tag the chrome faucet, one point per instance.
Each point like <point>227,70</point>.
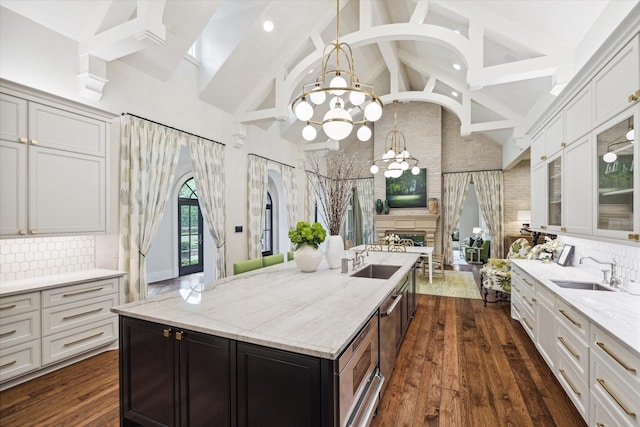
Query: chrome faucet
<point>613,281</point>
<point>358,260</point>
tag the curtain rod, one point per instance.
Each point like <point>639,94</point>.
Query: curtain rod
<point>171,127</point>
<point>273,161</point>
<point>480,170</point>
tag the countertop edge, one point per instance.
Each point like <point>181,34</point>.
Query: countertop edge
<point>35,284</point>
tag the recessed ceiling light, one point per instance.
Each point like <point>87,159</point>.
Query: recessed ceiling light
<point>456,31</point>
<point>457,67</point>
<point>268,26</point>
<point>454,93</point>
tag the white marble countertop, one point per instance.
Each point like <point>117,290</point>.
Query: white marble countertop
<point>13,287</point>
<point>280,307</point>
<point>616,312</point>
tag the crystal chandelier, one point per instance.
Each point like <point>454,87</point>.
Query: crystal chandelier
<point>347,96</point>
<point>396,159</point>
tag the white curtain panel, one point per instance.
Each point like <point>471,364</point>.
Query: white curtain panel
<point>454,194</point>
<point>489,188</point>
<point>310,200</point>
<point>291,194</point>
<point>208,166</point>
<point>149,155</point>
<point>257,194</point>
<point>364,187</point>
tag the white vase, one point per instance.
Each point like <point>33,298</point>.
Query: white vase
<point>307,258</point>
<point>335,251</point>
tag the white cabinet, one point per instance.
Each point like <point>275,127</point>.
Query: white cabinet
<point>38,329</point>
<point>19,335</point>
<point>577,116</point>
<point>615,87</point>
<point>538,149</point>
<point>554,135</point>
<point>539,196</point>
<point>578,191</point>
<point>545,323</point>
<point>53,169</point>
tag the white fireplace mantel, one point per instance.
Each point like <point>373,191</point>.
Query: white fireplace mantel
<point>405,223</point>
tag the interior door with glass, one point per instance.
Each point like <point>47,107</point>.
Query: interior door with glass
<point>190,249</point>
<point>616,176</point>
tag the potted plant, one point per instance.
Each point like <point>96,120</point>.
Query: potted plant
<point>334,190</point>
<point>307,237</point>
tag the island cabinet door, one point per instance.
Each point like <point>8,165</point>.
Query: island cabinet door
<point>279,388</point>
<point>147,370</point>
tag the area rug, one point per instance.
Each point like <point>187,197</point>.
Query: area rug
<point>458,284</point>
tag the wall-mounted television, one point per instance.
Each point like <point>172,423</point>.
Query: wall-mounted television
<point>408,190</point>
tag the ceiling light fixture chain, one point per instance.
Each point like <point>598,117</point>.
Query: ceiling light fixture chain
<point>396,158</point>
<point>339,120</point>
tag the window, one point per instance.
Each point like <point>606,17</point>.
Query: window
<point>190,248</point>
<point>267,232</point>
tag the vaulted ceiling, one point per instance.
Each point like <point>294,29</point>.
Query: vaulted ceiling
<point>511,54</point>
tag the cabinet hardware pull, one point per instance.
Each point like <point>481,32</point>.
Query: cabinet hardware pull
<point>13,362</point>
<point>634,96</point>
<point>6,334</point>
<point>543,157</point>
<point>84,291</point>
<point>527,282</point>
<point>634,236</point>
<point>624,408</point>
<point>616,358</point>
<point>525,321</point>
<point>398,298</point>
<point>563,144</point>
<point>69,344</point>
<point>180,335</point>
<point>568,347</point>
<point>515,307</point>
<point>599,425</point>
<point>23,140</point>
<point>7,307</point>
<point>34,231</point>
<point>34,141</point>
<point>563,229</point>
<point>533,300</point>
<point>166,333</point>
<point>573,388</point>
<point>570,319</point>
<point>22,232</point>
<point>515,271</point>
<point>527,301</point>
<point>73,316</point>
<point>515,288</point>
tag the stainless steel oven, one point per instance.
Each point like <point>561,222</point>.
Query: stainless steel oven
<point>359,379</point>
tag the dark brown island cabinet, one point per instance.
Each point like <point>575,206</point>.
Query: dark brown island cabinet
<point>175,377</point>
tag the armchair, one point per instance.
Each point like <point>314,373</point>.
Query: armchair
<point>496,273</point>
<point>478,252</point>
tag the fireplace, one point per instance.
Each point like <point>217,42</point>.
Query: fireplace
<point>418,238</point>
<point>409,224</point>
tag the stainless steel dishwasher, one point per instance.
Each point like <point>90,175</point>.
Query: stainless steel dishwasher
<point>390,330</point>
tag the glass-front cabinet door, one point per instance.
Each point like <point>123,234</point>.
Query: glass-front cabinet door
<point>617,210</point>
<point>554,192</point>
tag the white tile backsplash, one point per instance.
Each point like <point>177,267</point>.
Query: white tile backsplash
<point>43,256</point>
<point>627,257</point>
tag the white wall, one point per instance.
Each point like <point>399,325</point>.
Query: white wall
<point>470,214</point>
<point>34,56</point>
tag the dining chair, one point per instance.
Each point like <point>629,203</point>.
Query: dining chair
<point>437,264</point>
<point>397,248</point>
<point>374,247</point>
<point>406,242</point>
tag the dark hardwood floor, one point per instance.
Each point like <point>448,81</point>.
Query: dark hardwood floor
<point>461,364</point>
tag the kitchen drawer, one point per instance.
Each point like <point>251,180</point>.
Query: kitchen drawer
<point>20,303</point>
<point>574,321</point>
<point>576,388</point>
<point>544,294</point>
<point>516,307</point>
<point>67,344</point>
<point>618,358</point>
<point>574,351</point>
<point>64,317</point>
<point>79,292</point>
<point>601,414</point>
<point>528,321</point>
<point>19,359</point>
<point>19,329</point>
<point>620,397</point>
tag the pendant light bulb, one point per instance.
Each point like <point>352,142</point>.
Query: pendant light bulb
<point>373,111</point>
<point>415,170</point>
<point>337,124</point>
<point>356,98</point>
<point>338,82</point>
<point>630,135</point>
<point>318,97</point>
<point>304,111</point>
<point>374,169</point>
<point>610,157</point>
<point>364,133</point>
<point>309,133</point>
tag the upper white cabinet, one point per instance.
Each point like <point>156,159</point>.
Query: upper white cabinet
<point>617,85</point>
<point>554,136</point>
<point>52,167</point>
<point>578,192</point>
<point>577,116</point>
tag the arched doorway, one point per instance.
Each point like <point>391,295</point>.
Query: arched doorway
<point>190,243</point>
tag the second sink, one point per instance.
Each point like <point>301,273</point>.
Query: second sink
<point>376,271</point>
<point>580,285</point>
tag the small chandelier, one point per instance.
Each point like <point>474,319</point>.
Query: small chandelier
<point>348,96</point>
<point>396,159</point>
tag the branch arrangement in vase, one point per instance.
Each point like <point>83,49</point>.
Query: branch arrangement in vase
<point>334,189</point>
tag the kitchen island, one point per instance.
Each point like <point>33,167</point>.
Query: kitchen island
<point>262,348</point>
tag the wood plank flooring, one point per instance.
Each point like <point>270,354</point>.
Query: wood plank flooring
<point>460,365</point>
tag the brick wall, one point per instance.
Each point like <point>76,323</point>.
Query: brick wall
<point>517,195</point>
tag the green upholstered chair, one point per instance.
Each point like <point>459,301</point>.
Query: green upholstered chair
<point>471,252</point>
<point>290,256</point>
<point>272,259</point>
<point>248,265</point>
<point>496,273</point>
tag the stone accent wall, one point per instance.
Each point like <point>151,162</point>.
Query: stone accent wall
<point>517,195</point>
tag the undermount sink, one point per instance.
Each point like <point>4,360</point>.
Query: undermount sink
<point>376,271</point>
<point>580,285</point>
